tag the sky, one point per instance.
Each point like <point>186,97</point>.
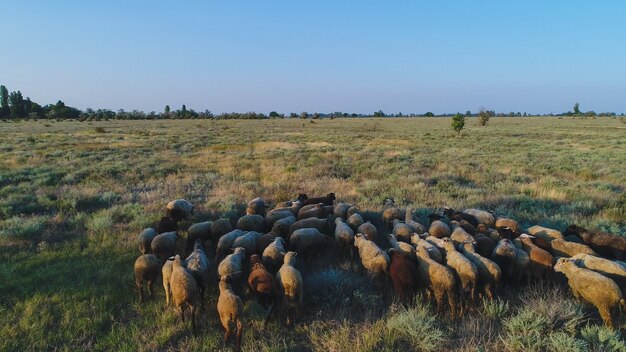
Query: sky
<point>535,56</point>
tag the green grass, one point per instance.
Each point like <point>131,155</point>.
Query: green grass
<point>73,196</point>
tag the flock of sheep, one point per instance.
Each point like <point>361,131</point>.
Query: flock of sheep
<point>459,257</point>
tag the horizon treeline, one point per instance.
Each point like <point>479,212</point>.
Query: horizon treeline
<point>13,106</point>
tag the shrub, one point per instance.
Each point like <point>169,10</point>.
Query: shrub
<point>601,338</point>
<point>495,309</point>
<point>417,325</point>
<point>524,331</point>
<point>562,342</point>
<point>483,116</point>
<point>23,228</point>
<point>458,122</point>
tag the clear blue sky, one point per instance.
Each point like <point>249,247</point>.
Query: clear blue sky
<point>329,55</point>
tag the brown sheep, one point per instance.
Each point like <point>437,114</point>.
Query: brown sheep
<point>315,211</point>
<point>437,227</point>
<point>368,230</point>
<point>147,268</point>
<point>263,285</point>
<point>391,212</point>
<point>256,206</point>
<point>606,244</point>
<point>230,310</point>
<point>185,292</point>
<point>437,279</point>
<point>457,215</point>
<point>592,287</point>
<point>402,272</point>
<point>484,245</point>
<point>483,217</point>
<point>301,198</point>
<point>508,223</point>
<point>167,224</point>
<point>541,261</point>
<point>328,200</point>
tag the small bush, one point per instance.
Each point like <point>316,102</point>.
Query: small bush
<point>417,325</point>
<point>601,338</point>
<point>562,342</point>
<point>524,331</point>
<point>100,129</point>
<point>23,228</point>
<point>495,309</point>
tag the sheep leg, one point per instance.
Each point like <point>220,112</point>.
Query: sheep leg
<point>167,295</point>
<point>269,313</point>
<point>239,331</point>
<point>605,314</point>
<point>192,310</point>
<point>151,288</point>
<point>489,291</point>
<point>140,289</point>
<point>439,300</point>
<point>452,302</point>
<point>227,333</point>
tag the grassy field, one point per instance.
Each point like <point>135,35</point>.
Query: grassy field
<point>74,195</point>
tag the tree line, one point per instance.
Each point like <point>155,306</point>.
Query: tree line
<point>13,106</point>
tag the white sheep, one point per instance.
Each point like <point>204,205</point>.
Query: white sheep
<point>145,240</point>
<point>373,259</point>
<point>274,254</point>
<point>291,284</point>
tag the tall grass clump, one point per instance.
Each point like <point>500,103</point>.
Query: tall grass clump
<point>601,338</point>
<point>418,326</point>
<point>563,342</point>
<point>495,309</point>
<point>525,331</point>
<point>23,228</point>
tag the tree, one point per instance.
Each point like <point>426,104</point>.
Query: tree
<point>379,113</point>
<point>429,114</point>
<point>483,116</point>
<point>304,115</point>
<point>458,122</point>
<point>16,105</point>
<point>274,114</point>
<point>576,109</point>
<point>316,115</point>
<point>167,109</point>
<point>4,102</point>
<point>293,115</point>
<point>468,113</point>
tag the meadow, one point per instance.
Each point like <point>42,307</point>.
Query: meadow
<point>74,195</point>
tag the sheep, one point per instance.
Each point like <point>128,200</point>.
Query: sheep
<point>301,198</point>
<point>414,225</point>
<point>281,227</point>
<point>145,240</point>
<point>225,243</point>
<point>403,247</point>
<point>606,267</point>
<point>437,243</point>
<point>256,206</point>
<point>459,235</point>
<point>166,224</point>
<point>185,291</point>
<point>232,265</point>
<point>263,285</point>
<point>489,273</point>
<point>146,269</point>
<point>328,200</point>
<point>563,248</point>
<point>253,222</point>
<point>201,231</point>
<point>353,210</point>
<point>368,230</point>
<point>508,223</point>
<point>506,232</point>
<point>484,245</point>
<point>483,217</point>
<point>592,287</point>
<point>274,254</point>
<point>505,256</point>
<point>272,218</point>
<point>291,284</point>
<point>402,272</point>
<point>248,242</point>
<point>437,227</point>
<point>219,228</point>
<point>402,231</point>
<point>437,279</point>
<point>294,209</point>
<point>435,254</point>
<point>265,240</point>
<point>315,211</point>
<point>179,209</point>
<point>323,225</point>
<point>373,259</point>
<point>355,220</point>
<point>391,212</point>
<point>458,215</point>
<point>344,237</point>
<point>522,262</point>
<point>166,273</point>
<point>198,266</point>
<point>164,245</point>
<point>464,271</point>
<point>541,261</point>
<point>606,244</point>
<point>340,210</point>
<point>491,233</point>
<point>302,240</point>
<point>230,310</point>
<point>544,233</point>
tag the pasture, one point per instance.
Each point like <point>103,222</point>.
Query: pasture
<point>74,196</point>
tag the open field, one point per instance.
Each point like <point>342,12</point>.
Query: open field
<point>73,197</point>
